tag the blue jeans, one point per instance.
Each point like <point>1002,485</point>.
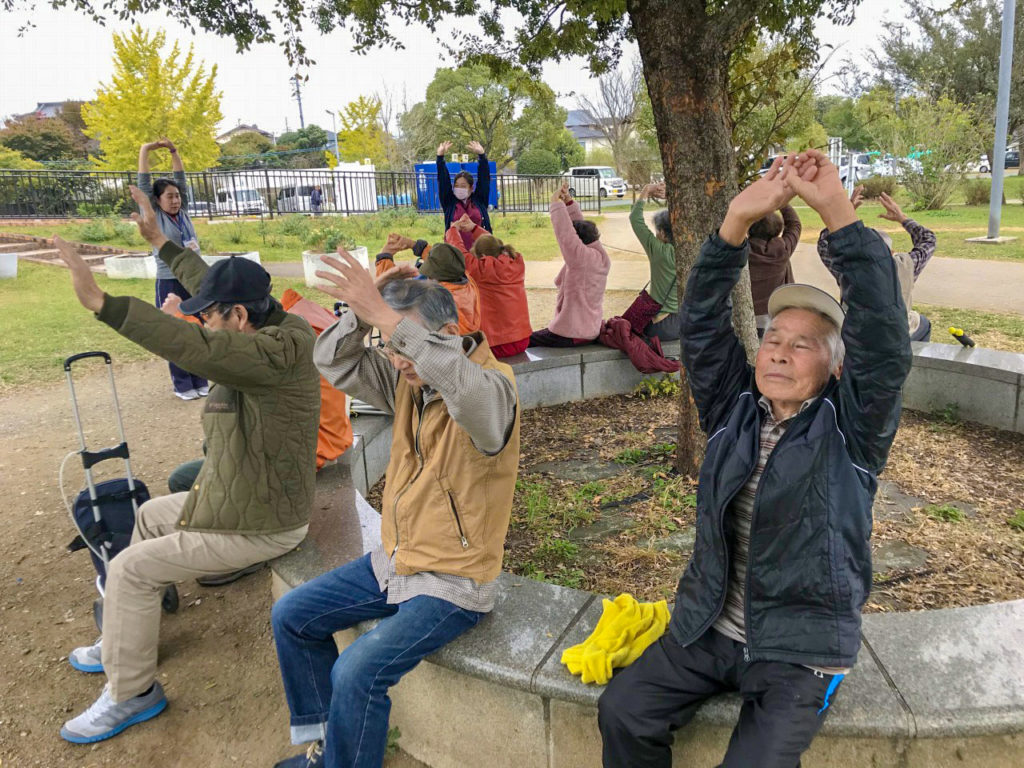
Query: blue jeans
<point>349,692</point>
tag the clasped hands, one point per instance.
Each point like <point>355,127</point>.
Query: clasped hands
<point>809,175</point>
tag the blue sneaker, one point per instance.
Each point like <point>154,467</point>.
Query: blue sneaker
<point>106,718</point>
<point>88,658</point>
<point>314,758</point>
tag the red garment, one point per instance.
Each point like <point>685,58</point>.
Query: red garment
<point>512,348</point>
<point>500,280</point>
<point>335,434</point>
<point>468,208</point>
<point>644,353</point>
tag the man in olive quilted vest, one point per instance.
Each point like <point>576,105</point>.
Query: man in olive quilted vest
<point>444,514</point>
<point>252,498</point>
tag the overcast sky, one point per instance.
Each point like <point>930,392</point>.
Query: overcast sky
<point>67,56</point>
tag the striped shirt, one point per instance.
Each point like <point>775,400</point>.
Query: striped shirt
<point>731,622</point>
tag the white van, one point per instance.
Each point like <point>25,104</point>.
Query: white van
<point>590,180</point>
<point>295,198</point>
<point>239,200</point>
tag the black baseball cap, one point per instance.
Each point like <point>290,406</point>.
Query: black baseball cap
<point>233,280</point>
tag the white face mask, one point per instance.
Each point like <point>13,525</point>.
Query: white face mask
<point>462,193</point>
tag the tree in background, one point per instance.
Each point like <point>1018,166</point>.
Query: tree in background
<point>362,133</point>
<point>40,138</point>
<point>934,139</point>
<point>310,141</point>
<point>615,108</point>
<point>248,150</point>
<point>11,159</point>
<point>686,47</point>
<point>154,92</point>
<point>538,162</point>
<point>839,117</point>
<point>507,113</point>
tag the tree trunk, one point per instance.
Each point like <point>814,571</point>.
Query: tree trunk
<point>685,53</point>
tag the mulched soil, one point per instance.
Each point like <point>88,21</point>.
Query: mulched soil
<point>936,459</point>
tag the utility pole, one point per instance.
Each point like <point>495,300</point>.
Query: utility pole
<point>998,161</point>
<point>334,127</point>
<point>297,95</point>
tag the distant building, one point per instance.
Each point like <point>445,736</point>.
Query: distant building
<point>46,109</point>
<point>585,128</point>
<point>240,129</point>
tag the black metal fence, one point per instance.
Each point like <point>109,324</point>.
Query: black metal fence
<point>267,193</point>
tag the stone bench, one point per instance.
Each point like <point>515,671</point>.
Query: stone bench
<point>936,689</point>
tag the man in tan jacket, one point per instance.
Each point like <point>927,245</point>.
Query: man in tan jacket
<point>444,515</point>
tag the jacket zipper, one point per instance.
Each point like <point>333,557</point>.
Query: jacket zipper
<point>753,517</point>
<point>416,446</point>
<point>458,522</point>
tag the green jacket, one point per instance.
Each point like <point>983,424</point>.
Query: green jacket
<point>662,257</point>
<point>260,419</point>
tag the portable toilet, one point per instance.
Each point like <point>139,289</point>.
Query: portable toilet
<point>492,198</point>
<point>426,183</point>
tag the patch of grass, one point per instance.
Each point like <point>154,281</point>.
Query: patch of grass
<point>995,330</point>
<point>660,452</point>
<point>392,746</point>
<point>1016,520</point>
<point>630,456</point>
<point>945,513</point>
<point>536,501</point>
<point>658,386</point>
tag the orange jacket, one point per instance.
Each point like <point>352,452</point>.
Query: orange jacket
<point>501,282</point>
<point>466,295</point>
<point>335,434</point>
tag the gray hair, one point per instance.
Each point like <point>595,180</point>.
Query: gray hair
<point>886,238</point>
<point>662,223</point>
<point>833,338</point>
<point>431,301</point>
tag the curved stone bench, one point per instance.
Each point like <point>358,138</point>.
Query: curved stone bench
<point>931,689</point>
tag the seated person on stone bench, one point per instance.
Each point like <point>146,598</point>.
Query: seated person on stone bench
<point>770,603</point>
<point>909,266</point>
<point>441,262</point>
<point>445,512</point>
<point>252,498</point>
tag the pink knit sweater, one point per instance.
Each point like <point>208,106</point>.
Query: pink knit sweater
<point>581,281</point>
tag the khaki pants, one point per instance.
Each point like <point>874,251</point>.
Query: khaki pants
<point>161,554</point>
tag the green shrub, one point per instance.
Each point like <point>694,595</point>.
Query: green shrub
<point>294,225</point>
<point>945,513</point>
<point>977,191</point>
<point>654,386</point>
<point>328,238</point>
<point>96,231</point>
<point>876,185</point>
<point>235,233</point>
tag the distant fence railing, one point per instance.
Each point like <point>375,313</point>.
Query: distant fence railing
<point>267,193</point>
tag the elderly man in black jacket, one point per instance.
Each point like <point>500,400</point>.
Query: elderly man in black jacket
<point>770,602</point>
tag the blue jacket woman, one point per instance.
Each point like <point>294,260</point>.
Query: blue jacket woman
<point>462,197</point>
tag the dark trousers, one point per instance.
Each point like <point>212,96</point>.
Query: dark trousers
<point>184,476</point>
<point>546,338</point>
<point>183,380</point>
<point>924,330</point>
<point>783,704</point>
<point>666,329</point>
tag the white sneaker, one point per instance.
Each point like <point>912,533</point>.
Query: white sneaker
<point>88,658</point>
<point>187,395</point>
<point>202,391</point>
<point>106,718</point>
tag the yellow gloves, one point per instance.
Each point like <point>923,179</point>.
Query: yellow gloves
<point>624,631</point>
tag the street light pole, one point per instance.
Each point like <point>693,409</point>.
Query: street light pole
<point>334,127</point>
<point>998,160</point>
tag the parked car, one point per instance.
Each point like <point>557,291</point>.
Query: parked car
<point>1012,159</point>
<point>590,180</point>
<point>240,200</point>
<point>199,208</point>
<point>295,199</point>
<point>981,165</point>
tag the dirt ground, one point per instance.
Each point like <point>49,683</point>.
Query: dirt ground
<point>217,659</point>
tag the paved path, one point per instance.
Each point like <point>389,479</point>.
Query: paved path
<point>992,286</point>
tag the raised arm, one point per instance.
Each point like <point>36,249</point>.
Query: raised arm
<point>636,221</point>
<point>791,228</point>
<point>444,179</point>
<point>350,366</point>
<point>824,255</point>
<point>482,192</point>
<point>574,252</point>
<point>923,239</point>
<point>144,179</point>
<point>875,331</point>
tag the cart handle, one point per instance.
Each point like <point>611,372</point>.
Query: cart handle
<point>84,355</point>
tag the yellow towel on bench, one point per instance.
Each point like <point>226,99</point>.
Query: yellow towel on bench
<point>624,631</point>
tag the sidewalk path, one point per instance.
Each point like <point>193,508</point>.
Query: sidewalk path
<point>990,286</point>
